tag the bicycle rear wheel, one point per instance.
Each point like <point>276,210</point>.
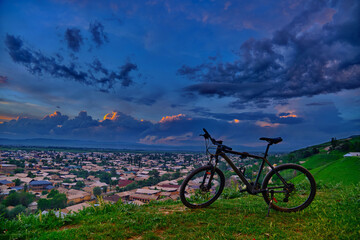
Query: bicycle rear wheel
<point>198,190</point>
<point>299,193</point>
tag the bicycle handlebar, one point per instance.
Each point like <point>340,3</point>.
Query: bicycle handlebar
<point>215,142</point>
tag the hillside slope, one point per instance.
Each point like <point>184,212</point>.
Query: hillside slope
<point>332,215</point>
<point>328,164</point>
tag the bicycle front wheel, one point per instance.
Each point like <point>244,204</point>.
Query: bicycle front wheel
<point>201,188</point>
<point>296,195</point>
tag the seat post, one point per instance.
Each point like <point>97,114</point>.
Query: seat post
<point>267,149</point>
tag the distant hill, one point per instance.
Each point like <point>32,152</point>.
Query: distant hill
<point>93,145</point>
<point>67,143</point>
<point>328,165</point>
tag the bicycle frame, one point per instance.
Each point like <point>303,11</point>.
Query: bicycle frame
<point>220,151</point>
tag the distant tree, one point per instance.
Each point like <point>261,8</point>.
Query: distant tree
<point>105,177</point>
<point>315,150</point>
<point>165,177</point>
<point>3,211</point>
<point>97,191</point>
<point>44,192</point>
<point>154,173</point>
<point>176,175</point>
<point>306,154</point>
<point>79,185</point>
<point>67,180</point>
<point>57,200</point>
<point>334,143</point>
<point>16,198</point>
<point>52,193</point>
<point>17,182</point>
<point>18,170</point>
<point>113,172</point>
<point>345,147</point>
<point>104,188</point>
<point>30,175</point>
<point>17,210</point>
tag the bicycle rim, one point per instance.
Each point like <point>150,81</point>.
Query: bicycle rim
<point>297,195</point>
<point>198,191</point>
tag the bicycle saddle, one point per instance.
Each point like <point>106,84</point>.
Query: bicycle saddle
<point>272,140</point>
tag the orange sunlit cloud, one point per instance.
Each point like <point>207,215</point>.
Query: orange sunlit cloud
<point>171,118</point>
<point>2,117</point>
<point>6,118</point>
<point>55,114</point>
<point>111,116</point>
<point>290,115</point>
<point>266,124</point>
<point>235,121</point>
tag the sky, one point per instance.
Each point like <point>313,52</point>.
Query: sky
<point>156,72</point>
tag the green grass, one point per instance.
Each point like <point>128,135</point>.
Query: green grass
<point>332,215</point>
<point>345,170</point>
<point>321,159</point>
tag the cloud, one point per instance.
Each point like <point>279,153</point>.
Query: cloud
<point>96,75</point>
<point>234,129</point>
<point>304,58</point>
<point>169,140</point>
<point>73,39</point>
<point>172,118</point>
<point>3,79</point>
<point>97,32</point>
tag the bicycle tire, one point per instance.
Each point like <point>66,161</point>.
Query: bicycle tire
<point>189,186</point>
<point>300,179</point>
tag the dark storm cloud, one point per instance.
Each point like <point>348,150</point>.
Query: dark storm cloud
<point>282,118</point>
<point>318,103</point>
<point>305,58</point>
<point>97,32</point>
<point>184,130</point>
<point>73,39</point>
<point>124,73</point>
<point>96,75</point>
<point>117,126</point>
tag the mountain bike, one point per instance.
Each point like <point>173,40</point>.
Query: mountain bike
<point>286,187</point>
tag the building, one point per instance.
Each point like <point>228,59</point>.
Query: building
<point>124,183</point>
<point>7,168</point>
<point>7,183</point>
<point>352,154</point>
<point>143,198</point>
<point>39,186</point>
<point>77,196</point>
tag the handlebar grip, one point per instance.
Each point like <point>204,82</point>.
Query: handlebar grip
<point>206,131</point>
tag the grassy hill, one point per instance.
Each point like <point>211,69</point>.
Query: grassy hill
<point>332,215</point>
<point>327,162</point>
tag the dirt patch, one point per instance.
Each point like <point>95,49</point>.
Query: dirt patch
<point>68,227</point>
<point>172,210</point>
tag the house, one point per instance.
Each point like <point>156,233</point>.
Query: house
<point>124,183</point>
<point>352,154</point>
<point>112,199</point>
<point>143,198</point>
<point>77,196</point>
<point>147,191</point>
<point>76,208</point>
<point>7,183</point>
<point>124,195</point>
<point>7,168</point>
<point>39,186</point>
